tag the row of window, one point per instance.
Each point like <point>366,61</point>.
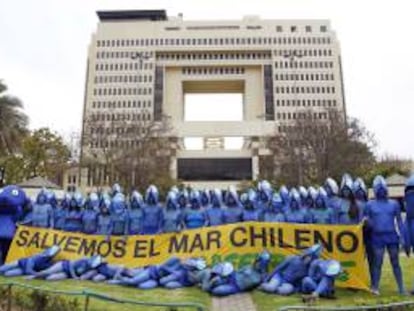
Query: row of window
<point>123,66</point>
<point>212,41</point>
<point>122,91</point>
<point>305,89</point>
<point>120,117</point>
<point>122,79</point>
<point>122,104</point>
<point>131,130</point>
<point>125,144</point>
<point>301,116</point>
<point>208,56</point>
<point>306,103</point>
<point>304,77</point>
<point>303,52</point>
<point>138,55</point>
<point>212,70</point>
<point>279,28</point>
<point>303,64</point>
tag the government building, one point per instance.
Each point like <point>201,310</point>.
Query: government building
<point>143,64</point>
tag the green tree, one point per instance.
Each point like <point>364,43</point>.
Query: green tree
<point>13,122</point>
<point>45,154</point>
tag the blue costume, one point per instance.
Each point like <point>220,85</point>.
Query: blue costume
<point>320,281</point>
<point>333,200</point>
<point>73,219</point>
<point>251,212</point>
<point>187,274</point>
<point>349,212</point>
<point>321,213</point>
<point>182,199</point>
<point>152,214</point>
<point>59,215</point>
<point>149,277</point>
<point>119,215</point>
<point>42,211</point>
<point>172,215</point>
<point>205,199</point>
<point>274,211</point>
<point>12,202</point>
<point>69,269</point>
<point>284,194</point>
<point>30,265</point>
<point>136,213</point>
<point>90,214</point>
<point>233,211</point>
<point>195,217</point>
<point>287,277</point>
<point>104,225</point>
<point>104,272</point>
<point>215,213</point>
<point>242,280</point>
<point>382,213</point>
<point>264,195</point>
<point>296,213</point>
<point>51,199</point>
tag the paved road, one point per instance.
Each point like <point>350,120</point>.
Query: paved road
<point>239,302</point>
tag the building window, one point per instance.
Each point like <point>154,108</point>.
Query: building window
<point>308,28</point>
<point>279,28</point>
<point>323,28</point>
<point>293,28</point>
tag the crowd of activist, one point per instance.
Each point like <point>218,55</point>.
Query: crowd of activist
<point>114,213</point>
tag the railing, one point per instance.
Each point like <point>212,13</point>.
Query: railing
<point>398,306</point>
<point>92,295</point>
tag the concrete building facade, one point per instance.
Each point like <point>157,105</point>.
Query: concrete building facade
<point>141,64</point>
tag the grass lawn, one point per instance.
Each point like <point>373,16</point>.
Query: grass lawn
<point>264,302</point>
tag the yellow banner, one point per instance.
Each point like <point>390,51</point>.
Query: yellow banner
<point>238,243</point>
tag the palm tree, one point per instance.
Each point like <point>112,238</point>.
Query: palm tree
<point>13,122</point>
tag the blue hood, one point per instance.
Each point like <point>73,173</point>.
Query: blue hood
<point>118,203</point>
<point>284,194</point>
<point>77,199</point>
<point>303,193</point>
<point>312,193</point>
<point>151,196</point>
<point>231,194</point>
<point>313,251</point>
<point>136,200</point>
<point>321,197</point>
<point>171,201</point>
<point>116,188</point>
<point>182,196</point>
<point>277,203</point>
<point>195,199</point>
<point>93,201</point>
<point>359,189</point>
<point>294,197</point>
<point>346,183</point>
<point>264,191</point>
<point>41,197</point>
<point>51,198</point>
<point>215,198</point>
<point>205,198</point>
<point>331,187</point>
<point>409,185</point>
<point>380,187</point>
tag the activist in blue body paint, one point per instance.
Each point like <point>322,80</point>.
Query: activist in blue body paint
<point>104,219</point>
<point>68,269</point>
<point>119,215</point>
<point>90,214</point>
<point>234,210</point>
<point>152,214</point>
<point>321,213</point>
<point>12,202</point>
<point>172,220</point>
<point>42,212</point>
<point>60,212</point>
<point>409,220</point>
<point>333,201</point>
<point>382,215</point>
<point>274,211</point>
<point>320,281</point>
<point>244,279</point>
<point>349,211</point>
<point>284,194</point>
<point>73,219</point>
<point>215,212</point>
<point>251,211</point>
<point>194,216</point>
<point>182,199</point>
<point>296,213</point>
<point>263,196</point>
<point>287,277</point>
<point>136,213</point>
<point>30,265</point>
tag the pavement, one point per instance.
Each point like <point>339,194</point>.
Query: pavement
<point>238,302</point>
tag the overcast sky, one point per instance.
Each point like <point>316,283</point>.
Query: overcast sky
<point>43,49</point>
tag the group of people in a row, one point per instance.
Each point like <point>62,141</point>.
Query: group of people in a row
<point>112,214</point>
<point>304,273</point>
